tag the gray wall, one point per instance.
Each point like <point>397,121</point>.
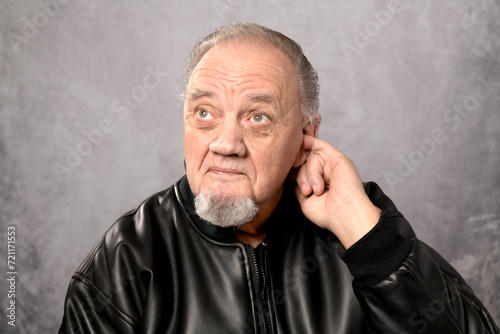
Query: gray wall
<point>388,93</point>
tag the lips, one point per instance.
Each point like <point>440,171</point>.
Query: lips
<point>224,171</point>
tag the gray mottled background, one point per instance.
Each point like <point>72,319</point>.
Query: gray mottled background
<point>410,88</point>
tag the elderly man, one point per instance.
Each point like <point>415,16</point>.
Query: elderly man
<point>271,230</point>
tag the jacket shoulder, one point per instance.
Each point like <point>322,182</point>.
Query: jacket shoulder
<point>135,229</point>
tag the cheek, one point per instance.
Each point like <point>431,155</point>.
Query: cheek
<point>276,158</point>
<point>193,157</point>
<point>194,150</point>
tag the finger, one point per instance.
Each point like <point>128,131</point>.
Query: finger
<point>319,146</point>
<point>315,173</point>
<point>300,196</point>
<point>311,175</point>
<point>330,155</point>
<point>313,143</point>
<point>302,182</point>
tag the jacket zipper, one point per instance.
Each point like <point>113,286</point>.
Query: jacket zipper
<point>260,273</point>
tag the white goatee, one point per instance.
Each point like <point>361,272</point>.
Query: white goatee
<point>225,210</point>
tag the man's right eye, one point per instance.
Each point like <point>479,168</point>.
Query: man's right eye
<point>204,114</point>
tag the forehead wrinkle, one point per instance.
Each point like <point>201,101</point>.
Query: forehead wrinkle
<point>271,94</point>
<point>214,69</point>
<point>214,64</point>
<point>199,93</point>
<point>243,83</point>
<point>267,98</point>
<point>211,76</point>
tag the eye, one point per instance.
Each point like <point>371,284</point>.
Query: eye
<point>259,118</point>
<point>203,114</point>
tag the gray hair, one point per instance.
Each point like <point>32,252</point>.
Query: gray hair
<point>224,210</point>
<point>307,77</point>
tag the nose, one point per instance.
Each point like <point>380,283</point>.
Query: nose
<point>229,140</point>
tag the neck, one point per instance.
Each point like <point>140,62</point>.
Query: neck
<point>251,234</point>
<point>254,232</point>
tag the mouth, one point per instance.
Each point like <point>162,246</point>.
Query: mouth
<point>224,171</point>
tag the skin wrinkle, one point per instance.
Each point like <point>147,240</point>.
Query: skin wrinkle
<point>233,80</point>
<point>233,84</point>
<point>268,98</point>
<point>235,76</point>
<point>264,97</point>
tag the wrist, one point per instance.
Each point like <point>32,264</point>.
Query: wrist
<point>355,221</point>
<point>379,253</point>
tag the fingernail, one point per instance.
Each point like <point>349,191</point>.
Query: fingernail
<point>303,187</point>
<point>315,187</point>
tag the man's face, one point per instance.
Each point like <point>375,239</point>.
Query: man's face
<point>242,122</point>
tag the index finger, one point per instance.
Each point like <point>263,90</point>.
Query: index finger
<point>317,145</point>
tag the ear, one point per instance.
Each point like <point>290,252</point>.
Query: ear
<point>310,127</point>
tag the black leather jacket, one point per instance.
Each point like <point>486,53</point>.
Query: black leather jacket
<point>160,269</point>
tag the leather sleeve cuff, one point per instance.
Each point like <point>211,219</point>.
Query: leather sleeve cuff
<point>379,253</point>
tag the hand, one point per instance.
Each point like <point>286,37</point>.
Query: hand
<point>331,194</point>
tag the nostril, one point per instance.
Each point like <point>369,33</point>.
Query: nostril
<point>220,147</point>
<point>228,147</point>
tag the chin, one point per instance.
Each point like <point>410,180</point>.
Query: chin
<point>228,190</point>
<point>226,193</point>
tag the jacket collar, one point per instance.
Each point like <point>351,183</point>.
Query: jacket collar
<point>282,221</point>
<point>215,232</point>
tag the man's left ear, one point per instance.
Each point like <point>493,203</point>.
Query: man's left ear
<point>310,128</point>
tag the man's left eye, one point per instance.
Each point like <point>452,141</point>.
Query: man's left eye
<point>259,118</point>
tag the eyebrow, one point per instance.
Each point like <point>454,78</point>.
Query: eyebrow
<point>267,98</point>
<point>264,97</point>
<point>198,94</point>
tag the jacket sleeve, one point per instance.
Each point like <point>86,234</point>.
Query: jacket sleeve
<point>96,301</point>
<point>404,286</point>
<point>88,311</point>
